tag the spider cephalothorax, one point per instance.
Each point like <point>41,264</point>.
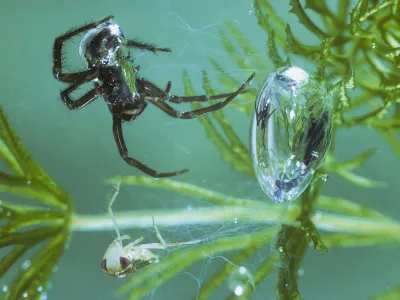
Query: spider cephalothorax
<point>100,45</point>
<point>105,50</point>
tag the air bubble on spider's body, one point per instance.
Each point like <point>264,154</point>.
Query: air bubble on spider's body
<point>100,45</point>
<point>290,132</point>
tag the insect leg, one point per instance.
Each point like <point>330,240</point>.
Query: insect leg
<point>114,196</point>
<point>123,151</point>
<point>158,234</point>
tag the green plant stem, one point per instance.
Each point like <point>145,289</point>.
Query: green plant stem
<point>273,215</point>
<point>177,261</point>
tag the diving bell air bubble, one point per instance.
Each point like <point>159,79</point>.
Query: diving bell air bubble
<point>290,132</point>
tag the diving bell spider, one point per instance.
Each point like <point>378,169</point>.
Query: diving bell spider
<point>111,68</point>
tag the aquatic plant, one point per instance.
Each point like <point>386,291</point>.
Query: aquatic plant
<point>357,59</point>
<point>369,43</point>
<point>43,226</point>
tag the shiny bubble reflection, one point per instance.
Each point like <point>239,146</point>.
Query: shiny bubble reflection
<point>290,132</point>
<point>239,280</point>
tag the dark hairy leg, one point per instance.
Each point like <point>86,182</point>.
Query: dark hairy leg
<point>83,100</point>
<point>123,151</point>
<point>146,46</point>
<point>57,52</point>
<point>194,113</point>
<point>154,91</point>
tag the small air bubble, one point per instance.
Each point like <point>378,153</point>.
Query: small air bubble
<point>300,272</point>
<point>43,296</point>
<point>26,264</point>
<point>235,221</point>
<point>251,11</point>
<point>239,289</point>
<point>40,288</point>
<point>25,295</point>
<point>239,280</point>
<point>314,154</point>
<point>280,249</point>
<point>317,215</point>
<point>5,288</point>
<point>325,177</point>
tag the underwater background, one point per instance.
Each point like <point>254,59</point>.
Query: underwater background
<point>77,149</point>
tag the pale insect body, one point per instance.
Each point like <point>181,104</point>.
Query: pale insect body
<point>120,261</point>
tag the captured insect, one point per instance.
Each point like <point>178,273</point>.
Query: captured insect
<point>290,132</point>
<point>120,261</point>
<point>110,67</point>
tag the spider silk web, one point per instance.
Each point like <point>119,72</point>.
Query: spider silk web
<point>77,148</point>
<point>194,40</point>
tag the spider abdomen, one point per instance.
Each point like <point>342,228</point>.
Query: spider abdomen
<point>117,92</point>
<point>100,45</point>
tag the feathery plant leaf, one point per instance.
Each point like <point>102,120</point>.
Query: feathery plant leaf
<point>345,46</point>
<point>368,41</point>
<point>330,218</point>
<point>232,150</point>
<point>24,227</point>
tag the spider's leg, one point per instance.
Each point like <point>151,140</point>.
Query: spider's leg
<point>201,98</point>
<point>83,100</point>
<point>114,196</point>
<point>155,91</point>
<point>123,151</point>
<point>194,113</point>
<point>58,48</point>
<point>146,46</point>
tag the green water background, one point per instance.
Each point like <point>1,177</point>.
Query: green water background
<point>77,148</point>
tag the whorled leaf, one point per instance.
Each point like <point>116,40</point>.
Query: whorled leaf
<point>347,44</point>
<point>223,274</point>
<point>298,10</point>
<point>232,150</point>
<point>139,285</point>
<point>350,224</point>
<point>23,227</point>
